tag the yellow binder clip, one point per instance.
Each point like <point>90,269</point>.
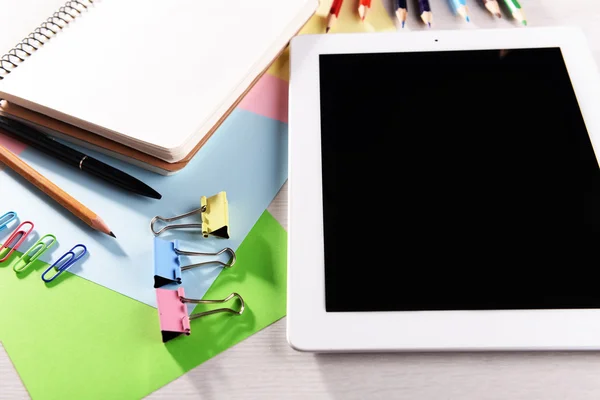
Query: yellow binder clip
<point>214,217</point>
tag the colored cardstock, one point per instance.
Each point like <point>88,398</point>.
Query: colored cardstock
<point>246,158</point>
<point>78,340</point>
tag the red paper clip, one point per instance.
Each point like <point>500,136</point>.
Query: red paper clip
<point>12,237</point>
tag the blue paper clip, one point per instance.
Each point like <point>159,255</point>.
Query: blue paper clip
<point>34,252</point>
<point>167,267</point>
<point>67,259</point>
<point>6,218</point>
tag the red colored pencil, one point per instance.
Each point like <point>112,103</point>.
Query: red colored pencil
<point>334,13</point>
<point>363,7</point>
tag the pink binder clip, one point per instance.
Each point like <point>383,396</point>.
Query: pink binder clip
<point>13,236</point>
<point>173,316</point>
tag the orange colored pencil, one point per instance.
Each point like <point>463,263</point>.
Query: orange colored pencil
<point>363,7</point>
<point>53,191</point>
<point>334,13</point>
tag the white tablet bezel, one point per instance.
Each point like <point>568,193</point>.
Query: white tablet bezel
<point>309,326</point>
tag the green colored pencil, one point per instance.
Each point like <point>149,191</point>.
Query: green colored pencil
<point>516,11</point>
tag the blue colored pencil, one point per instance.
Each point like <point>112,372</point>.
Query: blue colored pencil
<point>425,10</point>
<point>460,7</point>
<point>401,11</point>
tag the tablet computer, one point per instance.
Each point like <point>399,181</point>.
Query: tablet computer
<point>444,191</point>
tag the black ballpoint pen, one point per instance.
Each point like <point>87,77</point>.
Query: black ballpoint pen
<point>43,142</point>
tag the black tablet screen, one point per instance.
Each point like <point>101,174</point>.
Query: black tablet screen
<point>457,180</point>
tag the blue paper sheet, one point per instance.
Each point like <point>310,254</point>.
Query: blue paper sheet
<point>246,157</point>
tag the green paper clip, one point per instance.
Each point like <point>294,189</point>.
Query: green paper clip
<point>34,252</point>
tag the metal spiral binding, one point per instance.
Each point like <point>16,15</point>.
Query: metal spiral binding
<point>42,34</point>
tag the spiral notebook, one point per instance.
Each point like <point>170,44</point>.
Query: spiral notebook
<point>156,77</point>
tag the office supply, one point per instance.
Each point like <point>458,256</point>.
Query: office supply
<point>167,263</point>
<point>89,141</point>
<point>468,196</point>
<point>54,192</point>
<point>460,8</point>
<point>516,11</point>
<point>11,244</point>
<point>248,158</point>
<point>173,316</point>
<point>425,12</point>
<point>401,11</point>
<point>214,214</point>
<point>27,258</point>
<point>125,329</point>
<point>493,7</point>
<point>6,219</point>
<point>334,13</point>
<point>363,7</point>
<point>39,140</point>
<point>191,98</point>
<point>64,262</point>
<point>17,20</point>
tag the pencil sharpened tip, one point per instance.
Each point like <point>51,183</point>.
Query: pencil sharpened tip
<point>468,19</point>
<point>112,234</point>
<point>327,29</point>
<point>524,23</point>
<point>429,24</point>
<point>403,24</point>
<point>499,15</point>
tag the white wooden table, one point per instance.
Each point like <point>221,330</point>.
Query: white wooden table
<point>265,367</point>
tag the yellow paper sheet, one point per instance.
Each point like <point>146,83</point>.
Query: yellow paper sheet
<point>378,20</point>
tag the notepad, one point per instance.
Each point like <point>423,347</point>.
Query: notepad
<point>154,76</point>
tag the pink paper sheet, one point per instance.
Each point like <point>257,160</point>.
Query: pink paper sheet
<point>11,144</point>
<point>269,98</point>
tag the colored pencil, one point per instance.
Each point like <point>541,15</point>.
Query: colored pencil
<point>334,13</point>
<point>401,11</point>
<point>516,11</point>
<point>363,7</point>
<point>493,7</point>
<point>56,193</point>
<point>460,7</point>
<point>425,10</point>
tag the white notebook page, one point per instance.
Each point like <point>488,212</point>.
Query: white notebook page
<point>153,71</point>
<point>20,17</point>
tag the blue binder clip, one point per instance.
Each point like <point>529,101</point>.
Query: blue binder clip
<point>6,219</point>
<point>64,262</point>
<point>167,266</point>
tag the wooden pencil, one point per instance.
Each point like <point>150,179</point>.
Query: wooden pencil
<point>425,10</point>
<point>401,11</point>
<point>363,7</point>
<point>334,14</point>
<point>493,7</point>
<point>516,11</point>
<point>56,193</point>
<point>460,7</point>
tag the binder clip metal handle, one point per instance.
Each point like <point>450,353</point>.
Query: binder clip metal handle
<point>175,226</point>
<point>195,253</point>
<point>218,310</point>
<point>214,218</point>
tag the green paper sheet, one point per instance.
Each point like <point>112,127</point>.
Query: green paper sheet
<point>79,340</point>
